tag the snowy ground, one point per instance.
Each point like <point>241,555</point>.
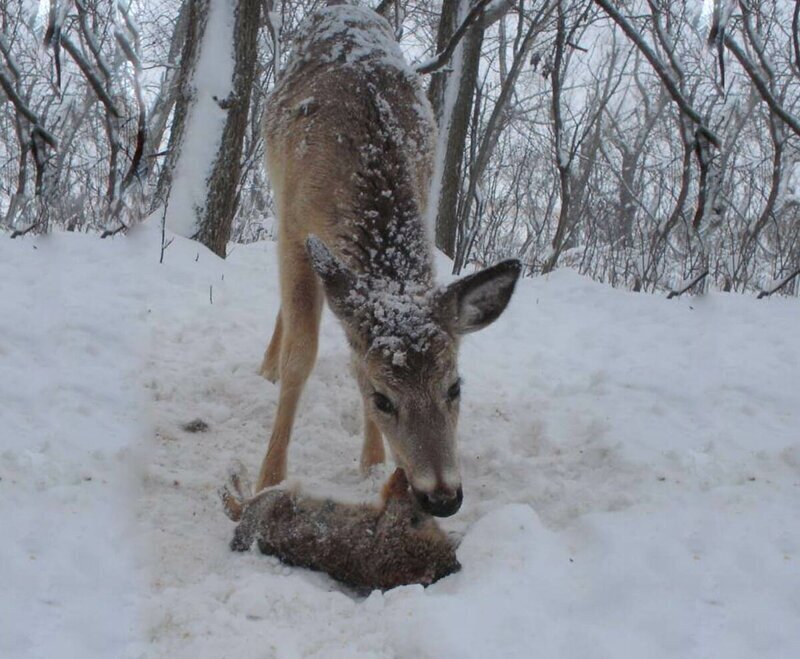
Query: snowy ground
<point>631,470</point>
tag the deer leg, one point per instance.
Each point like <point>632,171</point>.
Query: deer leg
<point>372,452</point>
<point>301,308</point>
<point>270,366</point>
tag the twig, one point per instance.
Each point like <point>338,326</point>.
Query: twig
<point>25,111</point>
<point>660,69</point>
<point>91,78</point>
<point>438,61</point>
<point>141,122</point>
<point>113,232</point>
<point>17,233</point>
<point>761,85</point>
<point>690,284</point>
<point>778,285</point>
<point>164,242</point>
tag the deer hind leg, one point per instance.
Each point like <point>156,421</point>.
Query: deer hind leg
<point>270,366</point>
<point>372,452</point>
<point>301,308</point>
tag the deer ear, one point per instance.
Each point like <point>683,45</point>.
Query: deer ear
<point>337,279</point>
<point>477,300</point>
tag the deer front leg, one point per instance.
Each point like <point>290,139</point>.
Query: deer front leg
<point>372,452</point>
<point>301,309</point>
<point>270,366</point>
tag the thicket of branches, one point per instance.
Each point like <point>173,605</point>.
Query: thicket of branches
<point>652,144</point>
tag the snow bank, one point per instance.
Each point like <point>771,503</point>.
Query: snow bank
<point>631,470</point>
<point>72,431</point>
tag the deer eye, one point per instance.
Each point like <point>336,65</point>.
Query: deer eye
<point>454,391</point>
<point>382,403</point>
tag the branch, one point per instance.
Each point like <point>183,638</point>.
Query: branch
<point>692,282</point>
<point>437,62</point>
<point>496,11</point>
<point>25,111</point>
<point>12,65</point>
<point>107,233</point>
<point>778,285</point>
<point>658,65</point>
<point>493,128</point>
<point>21,232</point>
<point>91,42</point>
<point>91,78</point>
<point>141,124</point>
<point>760,84</point>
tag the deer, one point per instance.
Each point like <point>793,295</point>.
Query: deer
<point>350,141</point>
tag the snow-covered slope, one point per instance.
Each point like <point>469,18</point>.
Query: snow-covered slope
<point>631,470</point>
<point>73,337</point>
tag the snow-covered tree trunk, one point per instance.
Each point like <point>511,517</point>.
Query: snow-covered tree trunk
<point>217,215</point>
<point>201,175</point>
<point>187,95</point>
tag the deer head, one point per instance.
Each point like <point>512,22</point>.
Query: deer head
<point>404,340</point>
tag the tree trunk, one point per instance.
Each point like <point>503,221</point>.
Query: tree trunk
<point>158,117</point>
<point>195,30</point>
<point>626,213</point>
<point>453,117</point>
<point>560,145</point>
<point>217,216</point>
<point>490,137</point>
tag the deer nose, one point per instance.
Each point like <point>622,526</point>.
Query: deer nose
<point>442,502</point>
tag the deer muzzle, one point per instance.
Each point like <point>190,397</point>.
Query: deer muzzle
<point>441,502</point>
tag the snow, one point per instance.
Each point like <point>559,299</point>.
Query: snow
<point>72,342</point>
<point>631,469</point>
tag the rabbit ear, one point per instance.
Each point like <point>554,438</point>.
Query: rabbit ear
<point>396,487</point>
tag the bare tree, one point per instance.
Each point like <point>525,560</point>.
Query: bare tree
<point>643,143</point>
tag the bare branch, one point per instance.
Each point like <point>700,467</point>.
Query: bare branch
<point>655,61</point>
<point>25,111</point>
<point>761,85</point>
<point>91,78</point>
<point>496,11</point>
<point>141,122</point>
<point>778,285</point>
<point>688,285</point>
<point>440,60</point>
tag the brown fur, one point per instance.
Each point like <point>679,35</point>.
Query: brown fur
<point>350,143</point>
<point>364,546</point>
